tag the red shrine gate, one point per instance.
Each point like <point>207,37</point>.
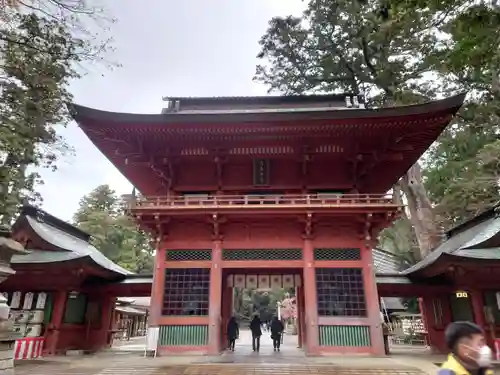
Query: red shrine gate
<point>259,184</point>
<point>337,281</point>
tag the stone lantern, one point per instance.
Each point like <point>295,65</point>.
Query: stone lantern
<point>8,248</point>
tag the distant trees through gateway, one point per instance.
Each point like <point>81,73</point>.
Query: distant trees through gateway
<point>248,301</point>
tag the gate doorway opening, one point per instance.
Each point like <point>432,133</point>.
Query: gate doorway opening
<point>267,293</point>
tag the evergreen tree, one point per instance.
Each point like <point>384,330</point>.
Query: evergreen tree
<point>359,47</point>
<point>462,172</point>
<point>42,47</point>
<point>114,233</point>
<point>405,52</point>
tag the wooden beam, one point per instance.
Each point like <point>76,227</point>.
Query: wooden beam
<point>402,147</point>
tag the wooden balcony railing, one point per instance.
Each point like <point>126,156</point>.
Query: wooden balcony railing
<point>264,201</point>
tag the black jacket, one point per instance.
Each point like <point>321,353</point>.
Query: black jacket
<point>255,326</point>
<point>233,329</point>
<point>277,328</point>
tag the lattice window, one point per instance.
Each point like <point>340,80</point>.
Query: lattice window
<point>186,291</point>
<point>262,254</point>
<point>188,255</point>
<point>340,292</point>
<point>337,254</point>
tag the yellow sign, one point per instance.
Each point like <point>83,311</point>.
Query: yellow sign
<point>461,295</point>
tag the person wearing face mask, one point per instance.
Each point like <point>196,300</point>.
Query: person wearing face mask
<point>469,354</point>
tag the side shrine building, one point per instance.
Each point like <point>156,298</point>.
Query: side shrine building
<point>63,292</point>
<point>267,191</point>
<point>457,281</point>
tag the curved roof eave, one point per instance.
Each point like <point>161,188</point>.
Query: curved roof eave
<point>44,257</point>
<point>67,242</point>
<point>85,114</point>
<point>474,254</point>
<point>51,257</point>
<point>462,245</point>
<point>429,260</point>
<point>491,230</point>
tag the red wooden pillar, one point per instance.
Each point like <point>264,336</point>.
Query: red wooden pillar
<point>372,303</point>
<point>477,301</point>
<point>214,321</point>
<point>310,299</point>
<point>433,327</point>
<point>56,321</point>
<point>426,322</point>
<point>157,287</point>
<point>107,311</point>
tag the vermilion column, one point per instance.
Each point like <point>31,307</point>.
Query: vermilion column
<point>426,323</point>
<point>478,307</point>
<point>56,320</point>
<point>310,298</point>
<point>157,287</point>
<point>214,321</point>
<point>372,303</point>
<point>107,310</point>
<point>435,339</point>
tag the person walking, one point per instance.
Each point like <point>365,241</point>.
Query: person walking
<point>255,327</point>
<point>277,329</point>
<point>233,331</point>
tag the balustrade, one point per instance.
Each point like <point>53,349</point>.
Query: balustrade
<point>249,201</point>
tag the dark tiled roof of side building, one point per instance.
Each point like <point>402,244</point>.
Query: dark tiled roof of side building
<point>71,242</point>
<point>470,239</point>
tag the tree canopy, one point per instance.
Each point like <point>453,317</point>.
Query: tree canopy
<point>116,235</point>
<point>404,52</point>
<point>43,46</point>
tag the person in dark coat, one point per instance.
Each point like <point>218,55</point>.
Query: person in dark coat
<point>255,327</point>
<point>277,329</point>
<point>233,331</point>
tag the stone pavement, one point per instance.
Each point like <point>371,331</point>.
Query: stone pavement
<point>243,352</point>
<point>290,361</point>
<point>135,344</point>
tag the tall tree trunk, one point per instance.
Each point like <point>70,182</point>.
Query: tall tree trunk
<point>428,233</point>
<point>422,216</point>
<point>403,238</point>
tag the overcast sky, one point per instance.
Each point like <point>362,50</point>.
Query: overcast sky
<point>167,48</point>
